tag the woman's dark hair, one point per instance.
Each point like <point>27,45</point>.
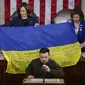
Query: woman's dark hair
<point>79,12</point>
<point>25,5</point>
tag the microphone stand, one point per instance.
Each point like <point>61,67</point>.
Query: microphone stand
<point>44,76</point>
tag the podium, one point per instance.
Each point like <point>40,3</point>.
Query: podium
<point>40,82</point>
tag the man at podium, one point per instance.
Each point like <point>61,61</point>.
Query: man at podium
<point>44,67</point>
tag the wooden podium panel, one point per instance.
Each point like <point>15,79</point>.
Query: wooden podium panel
<point>2,69</point>
<point>46,82</point>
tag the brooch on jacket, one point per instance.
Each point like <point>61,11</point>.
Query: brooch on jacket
<point>80,28</point>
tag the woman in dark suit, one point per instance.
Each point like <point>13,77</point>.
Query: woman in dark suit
<point>25,17</point>
<point>77,17</point>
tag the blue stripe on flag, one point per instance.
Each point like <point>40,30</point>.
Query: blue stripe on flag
<point>30,38</point>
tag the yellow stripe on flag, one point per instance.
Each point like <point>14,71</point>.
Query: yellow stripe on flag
<point>66,55</point>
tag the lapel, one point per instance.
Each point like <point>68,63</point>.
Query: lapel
<point>80,33</point>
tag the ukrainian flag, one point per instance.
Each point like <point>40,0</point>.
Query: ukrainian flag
<point>21,44</point>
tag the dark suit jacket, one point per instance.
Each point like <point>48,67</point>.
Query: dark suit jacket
<point>18,22</point>
<point>81,34</point>
<point>35,69</point>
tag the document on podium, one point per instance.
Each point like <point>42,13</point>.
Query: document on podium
<point>59,81</point>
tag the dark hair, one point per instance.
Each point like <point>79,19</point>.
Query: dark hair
<point>79,12</point>
<point>25,5</point>
<point>44,50</point>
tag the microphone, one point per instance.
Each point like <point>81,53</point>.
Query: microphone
<point>44,72</point>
